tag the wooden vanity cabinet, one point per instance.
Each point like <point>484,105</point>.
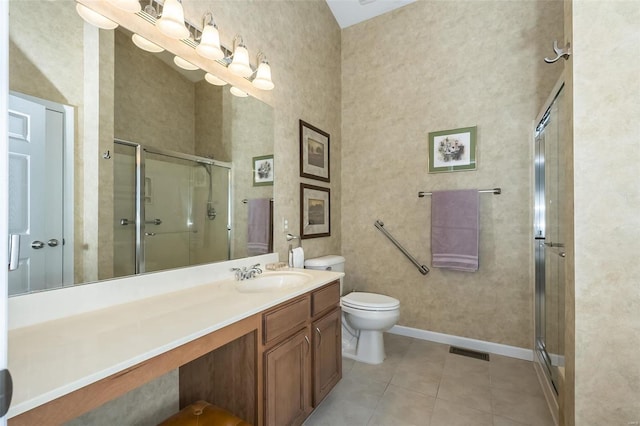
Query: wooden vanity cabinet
<point>327,354</point>
<point>287,369</point>
<point>302,354</point>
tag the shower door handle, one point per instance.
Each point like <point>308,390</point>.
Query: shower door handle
<point>550,244</point>
<point>14,251</point>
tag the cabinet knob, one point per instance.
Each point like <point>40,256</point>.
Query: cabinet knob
<point>319,336</point>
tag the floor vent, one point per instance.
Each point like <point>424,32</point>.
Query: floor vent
<point>470,353</point>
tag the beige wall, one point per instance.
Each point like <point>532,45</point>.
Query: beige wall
<point>434,66</point>
<point>156,104</point>
<point>606,60</point>
<point>304,54</point>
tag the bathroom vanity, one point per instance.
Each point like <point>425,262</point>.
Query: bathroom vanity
<point>231,348</point>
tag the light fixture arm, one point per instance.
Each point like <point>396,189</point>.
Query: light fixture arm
<point>207,19</point>
<point>261,57</point>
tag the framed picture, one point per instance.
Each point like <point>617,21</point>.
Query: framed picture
<point>263,170</point>
<point>452,150</point>
<point>315,220</point>
<point>314,152</point>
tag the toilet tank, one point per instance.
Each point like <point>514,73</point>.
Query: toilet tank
<point>331,262</point>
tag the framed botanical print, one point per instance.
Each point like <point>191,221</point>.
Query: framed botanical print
<point>452,150</point>
<point>263,170</point>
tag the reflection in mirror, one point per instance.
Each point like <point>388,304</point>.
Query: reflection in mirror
<point>102,98</point>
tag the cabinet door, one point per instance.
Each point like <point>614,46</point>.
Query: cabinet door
<point>327,357</point>
<point>288,381</point>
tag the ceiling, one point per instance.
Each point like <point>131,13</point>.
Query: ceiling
<point>351,12</point>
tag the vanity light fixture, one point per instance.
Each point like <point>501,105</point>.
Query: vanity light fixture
<point>209,46</point>
<point>145,44</point>
<point>237,92</point>
<point>171,23</point>
<point>184,64</point>
<point>240,63</point>
<point>94,18</point>
<point>212,79</point>
<point>262,79</point>
<point>132,6</point>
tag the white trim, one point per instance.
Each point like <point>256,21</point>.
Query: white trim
<point>4,181</point>
<point>464,342</point>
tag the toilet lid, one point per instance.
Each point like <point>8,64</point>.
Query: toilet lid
<point>370,301</point>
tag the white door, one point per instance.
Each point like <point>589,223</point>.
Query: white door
<point>5,386</point>
<point>36,135</point>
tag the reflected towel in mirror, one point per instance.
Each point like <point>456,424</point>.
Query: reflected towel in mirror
<point>259,223</point>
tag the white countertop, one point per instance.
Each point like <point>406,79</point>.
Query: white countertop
<point>50,359</point>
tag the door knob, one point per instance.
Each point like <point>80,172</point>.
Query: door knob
<point>52,242</point>
<point>37,245</point>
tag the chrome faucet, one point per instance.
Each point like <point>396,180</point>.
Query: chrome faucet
<point>246,273</point>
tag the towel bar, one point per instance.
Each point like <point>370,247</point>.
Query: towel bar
<point>422,268</point>
<point>495,191</point>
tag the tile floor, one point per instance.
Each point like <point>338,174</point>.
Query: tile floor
<point>421,383</point>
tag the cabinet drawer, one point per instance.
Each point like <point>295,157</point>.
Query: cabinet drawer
<point>325,298</point>
<point>285,319</point>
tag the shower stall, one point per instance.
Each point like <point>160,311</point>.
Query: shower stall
<point>170,209</point>
<point>551,229</point>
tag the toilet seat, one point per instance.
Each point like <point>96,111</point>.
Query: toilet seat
<point>370,301</point>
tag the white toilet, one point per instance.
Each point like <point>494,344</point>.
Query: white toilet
<point>365,316</point>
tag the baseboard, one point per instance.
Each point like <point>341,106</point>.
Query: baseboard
<point>464,342</point>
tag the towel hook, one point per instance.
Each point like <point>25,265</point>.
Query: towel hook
<point>565,52</point>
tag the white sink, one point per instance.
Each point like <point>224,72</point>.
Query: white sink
<point>273,281</point>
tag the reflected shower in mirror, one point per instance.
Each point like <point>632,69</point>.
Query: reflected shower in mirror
<point>102,97</point>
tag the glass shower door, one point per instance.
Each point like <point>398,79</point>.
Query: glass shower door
<point>186,212</point>
<point>184,203</point>
<point>549,233</point>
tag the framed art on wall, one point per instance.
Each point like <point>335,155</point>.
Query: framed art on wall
<point>263,170</point>
<point>315,220</point>
<point>314,152</point>
<point>452,150</point>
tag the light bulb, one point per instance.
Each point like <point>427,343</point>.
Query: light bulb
<point>212,79</point>
<point>263,77</point>
<point>240,64</point>
<point>94,18</point>
<point>237,92</point>
<point>184,64</point>
<point>171,23</point>
<point>209,46</point>
<point>145,44</point>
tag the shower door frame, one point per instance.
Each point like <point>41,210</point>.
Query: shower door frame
<point>541,357</point>
<point>140,225</point>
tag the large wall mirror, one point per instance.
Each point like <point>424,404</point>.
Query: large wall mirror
<point>121,162</point>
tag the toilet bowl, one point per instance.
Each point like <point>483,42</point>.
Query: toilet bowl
<point>365,316</point>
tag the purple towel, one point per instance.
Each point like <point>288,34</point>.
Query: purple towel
<point>455,227</point>
<point>259,226</point>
